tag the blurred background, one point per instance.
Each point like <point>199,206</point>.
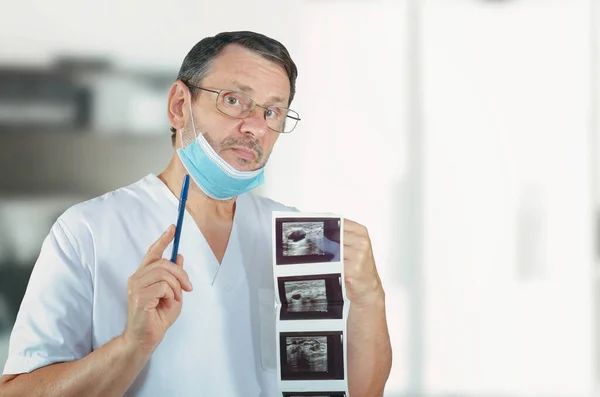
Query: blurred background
<point>462,133</point>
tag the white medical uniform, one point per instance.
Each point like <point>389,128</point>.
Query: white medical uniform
<point>222,344</point>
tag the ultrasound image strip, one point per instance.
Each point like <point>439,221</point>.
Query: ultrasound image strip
<point>311,355</point>
<point>307,240</point>
<point>314,359</point>
<point>311,297</point>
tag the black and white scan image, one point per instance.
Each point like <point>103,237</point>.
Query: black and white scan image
<point>311,355</point>
<point>306,296</point>
<point>303,238</point>
<point>306,354</point>
<point>307,240</point>
<point>311,297</point>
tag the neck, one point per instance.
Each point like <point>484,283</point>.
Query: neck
<point>199,205</point>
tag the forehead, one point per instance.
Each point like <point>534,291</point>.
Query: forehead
<point>239,68</point>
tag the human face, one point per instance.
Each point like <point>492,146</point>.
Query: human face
<point>245,144</point>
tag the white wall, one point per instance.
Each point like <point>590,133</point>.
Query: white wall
<point>508,209</point>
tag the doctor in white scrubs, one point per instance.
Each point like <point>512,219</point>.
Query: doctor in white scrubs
<point>107,314</point>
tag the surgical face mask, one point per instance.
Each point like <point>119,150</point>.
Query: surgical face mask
<point>212,174</point>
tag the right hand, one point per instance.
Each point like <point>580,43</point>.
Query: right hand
<point>155,295</point>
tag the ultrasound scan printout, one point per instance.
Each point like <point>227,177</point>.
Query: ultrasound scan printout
<point>311,304</point>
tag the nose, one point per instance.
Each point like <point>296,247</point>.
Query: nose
<point>255,124</point>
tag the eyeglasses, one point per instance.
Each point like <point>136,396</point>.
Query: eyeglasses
<point>239,105</point>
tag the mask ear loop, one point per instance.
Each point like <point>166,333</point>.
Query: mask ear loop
<point>193,124</point>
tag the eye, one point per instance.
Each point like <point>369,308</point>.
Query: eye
<point>231,100</point>
<point>272,113</point>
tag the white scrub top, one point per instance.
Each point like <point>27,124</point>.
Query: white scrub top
<point>222,344</point>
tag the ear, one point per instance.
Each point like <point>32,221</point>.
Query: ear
<point>178,106</point>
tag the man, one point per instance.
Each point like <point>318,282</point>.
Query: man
<point>104,311</point>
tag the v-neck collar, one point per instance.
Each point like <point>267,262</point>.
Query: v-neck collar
<point>193,240</point>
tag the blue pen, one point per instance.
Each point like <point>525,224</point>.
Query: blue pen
<point>182,199</point>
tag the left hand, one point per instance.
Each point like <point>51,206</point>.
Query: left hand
<point>363,285</point>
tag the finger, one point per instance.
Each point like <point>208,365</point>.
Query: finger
<point>357,241</point>
<point>352,255</point>
<point>156,250</point>
<point>152,295</point>
<point>350,224</point>
<point>177,271</point>
<point>158,275</point>
<point>179,262</point>
<point>351,227</point>
<point>358,262</point>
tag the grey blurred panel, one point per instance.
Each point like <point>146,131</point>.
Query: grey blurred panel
<point>77,162</point>
<point>42,98</point>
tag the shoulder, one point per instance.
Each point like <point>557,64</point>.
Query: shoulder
<point>121,200</point>
<point>80,223</point>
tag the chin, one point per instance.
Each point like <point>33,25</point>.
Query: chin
<point>241,164</point>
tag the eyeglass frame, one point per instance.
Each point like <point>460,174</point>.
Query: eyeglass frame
<point>253,107</point>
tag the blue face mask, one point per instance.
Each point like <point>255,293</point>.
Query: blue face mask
<point>214,175</point>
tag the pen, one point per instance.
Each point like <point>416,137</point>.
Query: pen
<point>182,199</point>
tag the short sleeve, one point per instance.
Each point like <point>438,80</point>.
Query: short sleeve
<point>54,322</point>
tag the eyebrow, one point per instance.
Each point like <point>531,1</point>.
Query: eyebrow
<point>249,90</point>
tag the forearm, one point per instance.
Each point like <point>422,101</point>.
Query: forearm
<point>369,349</point>
<point>108,371</point>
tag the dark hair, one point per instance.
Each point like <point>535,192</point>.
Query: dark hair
<point>197,62</point>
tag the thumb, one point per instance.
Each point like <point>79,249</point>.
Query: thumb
<point>179,263</point>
